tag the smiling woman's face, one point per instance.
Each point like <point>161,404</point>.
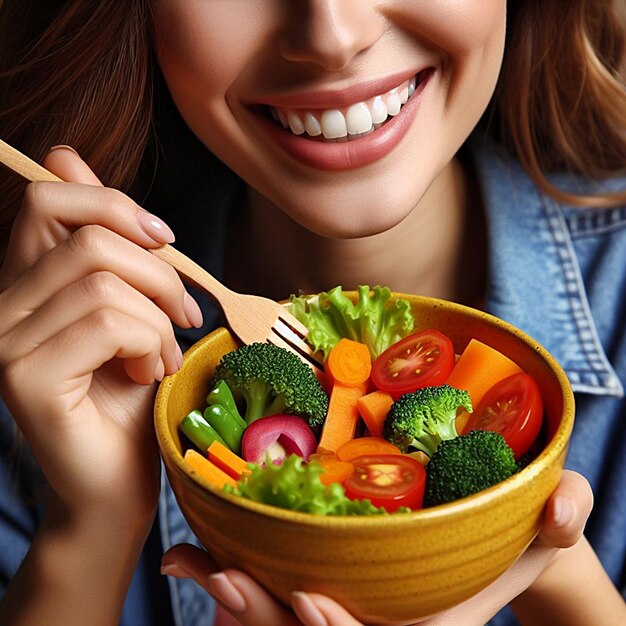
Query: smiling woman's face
<point>356,155</point>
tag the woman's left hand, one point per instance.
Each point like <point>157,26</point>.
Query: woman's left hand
<point>565,517</point>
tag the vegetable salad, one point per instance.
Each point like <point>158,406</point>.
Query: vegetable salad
<point>400,421</point>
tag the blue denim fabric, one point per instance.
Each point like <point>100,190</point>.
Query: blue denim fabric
<point>557,272</point>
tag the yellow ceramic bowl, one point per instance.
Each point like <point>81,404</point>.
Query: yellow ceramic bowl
<point>391,569</point>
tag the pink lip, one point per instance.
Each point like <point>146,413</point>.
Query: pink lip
<point>348,154</point>
<point>335,99</point>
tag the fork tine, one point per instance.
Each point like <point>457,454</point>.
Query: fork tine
<point>284,337</point>
<point>293,323</point>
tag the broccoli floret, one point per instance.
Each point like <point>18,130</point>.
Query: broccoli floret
<point>271,380</point>
<point>423,418</point>
<point>372,320</point>
<point>466,465</point>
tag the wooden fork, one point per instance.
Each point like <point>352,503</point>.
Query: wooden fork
<point>251,318</point>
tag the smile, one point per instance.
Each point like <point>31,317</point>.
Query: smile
<point>344,129</point>
<point>346,123</point>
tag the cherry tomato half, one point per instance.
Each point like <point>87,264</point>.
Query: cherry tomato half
<point>388,480</point>
<point>512,407</point>
<point>422,359</point>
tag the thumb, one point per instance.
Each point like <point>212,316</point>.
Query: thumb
<point>567,511</point>
<point>66,163</point>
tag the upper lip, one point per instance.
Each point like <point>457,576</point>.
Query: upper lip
<point>337,98</point>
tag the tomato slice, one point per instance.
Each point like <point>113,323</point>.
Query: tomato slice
<point>388,480</point>
<point>512,407</point>
<point>422,359</point>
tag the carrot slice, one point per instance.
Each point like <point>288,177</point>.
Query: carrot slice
<point>226,460</point>
<point>210,472</point>
<point>336,471</point>
<point>349,363</point>
<point>341,418</point>
<point>373,408</point>
<point>365,446</point>
<point>479,368</point>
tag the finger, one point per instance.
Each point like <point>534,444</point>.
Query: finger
<point>96,291</point>
<point>567,511</point>
<point>66,163</point>
<point>94,249</point>
<point>64,364</point>
<point>314,609</point>
<point>239,594</point>
<point>51,211</point>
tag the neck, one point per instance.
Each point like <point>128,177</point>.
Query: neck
<point>424,254</point>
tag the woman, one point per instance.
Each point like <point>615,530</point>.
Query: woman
<point>281,145</point>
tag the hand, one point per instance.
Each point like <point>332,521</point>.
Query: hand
<point>85,331</point>
<point>564,521</point>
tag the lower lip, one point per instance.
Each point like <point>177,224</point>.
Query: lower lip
<point>350,154</point>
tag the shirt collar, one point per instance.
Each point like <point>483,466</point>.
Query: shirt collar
<point>535,280</point>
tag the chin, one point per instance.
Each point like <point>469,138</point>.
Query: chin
<point>342,221</point>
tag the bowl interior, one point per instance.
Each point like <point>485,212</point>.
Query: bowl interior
<point>187,389</point>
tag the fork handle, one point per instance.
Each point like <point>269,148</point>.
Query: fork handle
<point>193,274</point>
<point>190,271</point>
<point>24,166</point>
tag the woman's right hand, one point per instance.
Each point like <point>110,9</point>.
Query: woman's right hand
<point>85,331</point>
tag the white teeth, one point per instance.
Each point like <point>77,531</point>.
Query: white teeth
<point>333,124</point>
<point>283,119</point>
<point>295,123</point>
<point>393,103</point>
<point>379,110</point>
<point>358,119</point>
<point>312,125</point>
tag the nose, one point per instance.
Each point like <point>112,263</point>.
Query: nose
<point>329,33</point>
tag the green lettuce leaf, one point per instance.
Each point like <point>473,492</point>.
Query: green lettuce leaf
<point>296,485</point>
<point>372,320</point>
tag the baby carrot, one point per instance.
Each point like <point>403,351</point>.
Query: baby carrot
<point>373,408</point>
<point>480,367</point>
<point>226,460</point>
<point>365,446</point>
<point>336,471</point>
<point>342,417</point>
<point>210,472</point>
<point>349,363</point>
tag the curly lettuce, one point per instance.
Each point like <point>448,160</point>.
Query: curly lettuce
<point>372,320</point>
<point>296,485</point>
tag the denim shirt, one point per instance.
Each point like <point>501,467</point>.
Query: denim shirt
<point>557,272</point>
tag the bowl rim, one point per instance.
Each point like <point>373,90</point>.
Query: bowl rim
<point>483,499</point>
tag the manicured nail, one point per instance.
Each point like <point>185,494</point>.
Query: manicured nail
<point>175,570</point>
<point>192,310</point>
<point>155,227</point>
<point>563,511</point>
<point>306,611</point>
<point>63,147</point>
<point>225,592</point>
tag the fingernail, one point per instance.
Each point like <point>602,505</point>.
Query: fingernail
<point>563,511</point>
<point>306,611</point>
<point>225,592</point>
<point>192,310</point>
<point>175,570</point>
<point>155,227</point>
<point>63,147</point>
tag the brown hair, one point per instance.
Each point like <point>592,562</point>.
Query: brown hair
<point>79,72</point>
<point>560,101</point>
